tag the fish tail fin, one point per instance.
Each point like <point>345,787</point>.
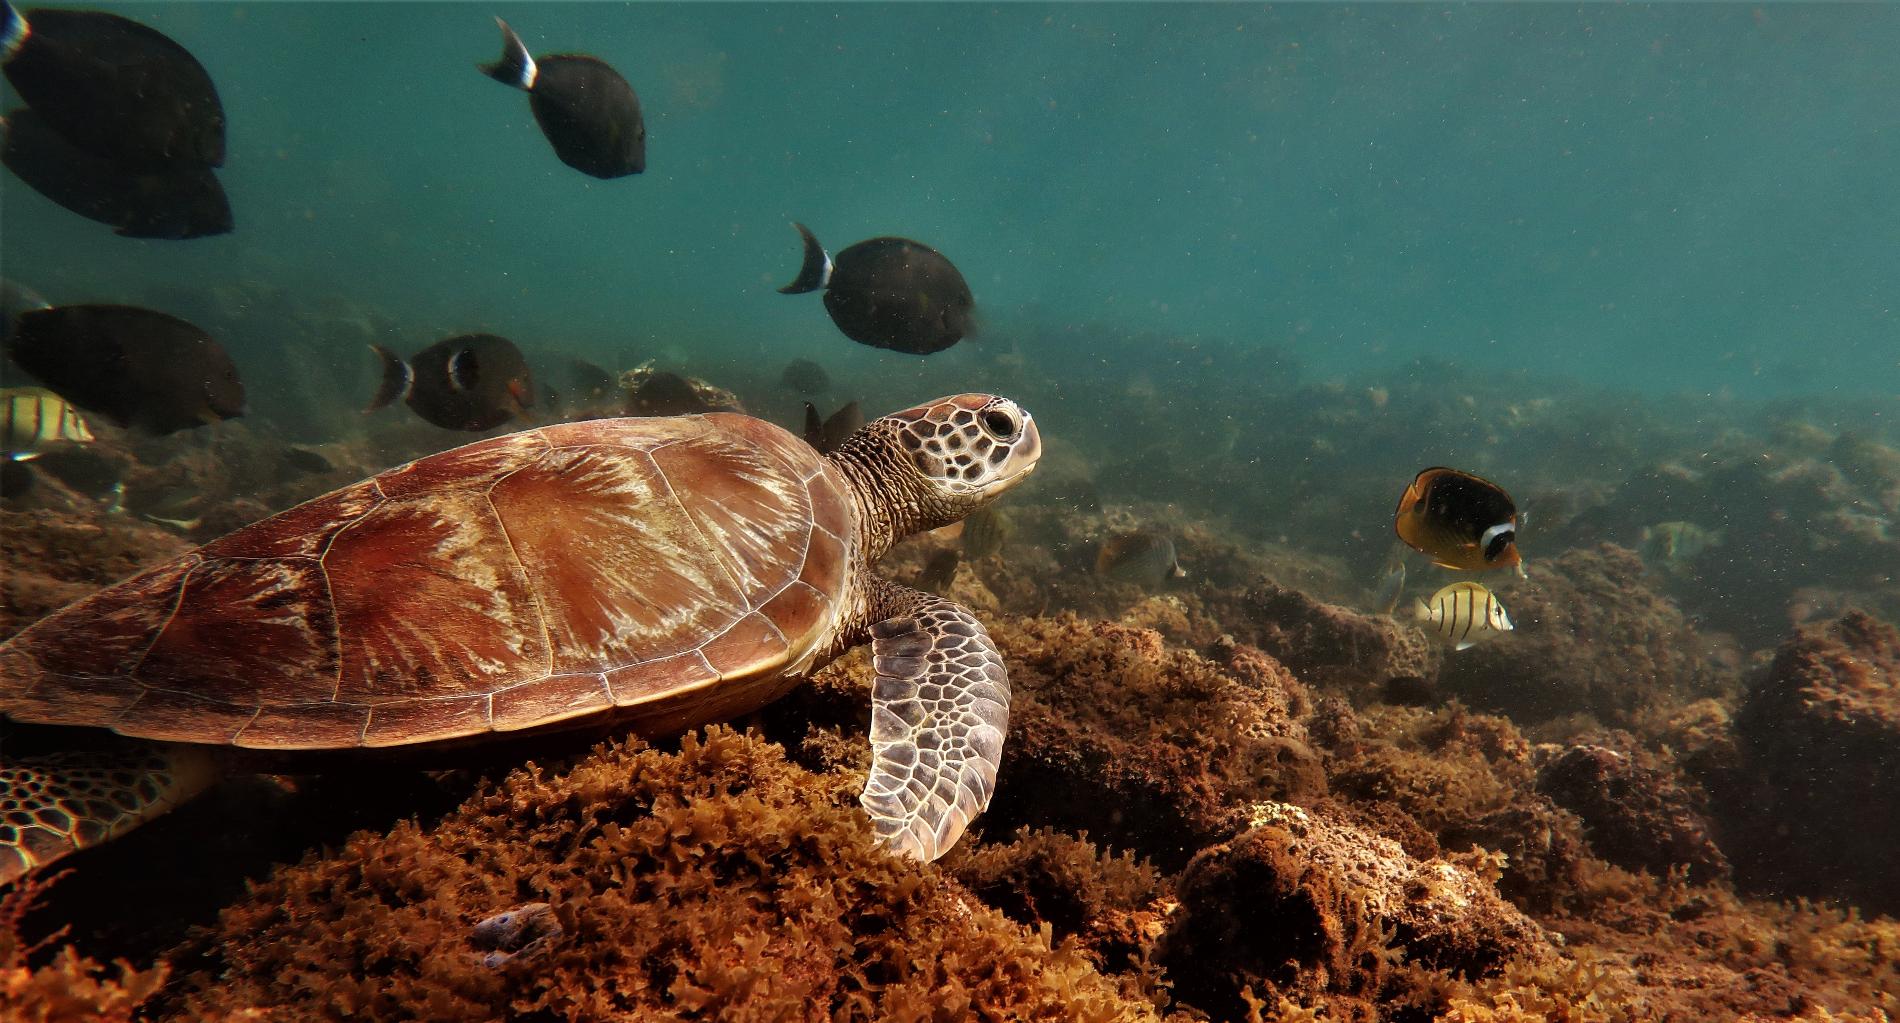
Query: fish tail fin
<point>515,67</point>
<point>815,272</point>
<point>13,30</point>
<point>397,379</point>
<point>814,427</point>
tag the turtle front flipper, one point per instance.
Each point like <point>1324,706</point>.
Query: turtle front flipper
<point>62,802</point>
<point>939,708</point>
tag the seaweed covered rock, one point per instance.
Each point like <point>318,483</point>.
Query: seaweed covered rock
<point>1636,811</point>
<point>1592,638</point>
<point>1328,645</point>
<point>1820,741</point>
<point>719,882</point>
<point>54,558</point>
<point>1145,746</point>
<point>1112,905</point>
<point>1309,905</point>
<point>1469,782</point>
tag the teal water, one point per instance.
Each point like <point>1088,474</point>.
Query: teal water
<point>1663,199</point>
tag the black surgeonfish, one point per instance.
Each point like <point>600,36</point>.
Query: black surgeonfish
<point>591,382</point>
<point>1462,521</point>
<point>112,86</point>
<point>135,367</point>
<point>889,293</point>
<point>587,111</point>
<point>803,376</point>
<point>467,382</point>
<point>828,433</point>
<point>138,201</point>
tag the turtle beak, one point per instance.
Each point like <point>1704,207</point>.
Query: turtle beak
<point>1023,455</point>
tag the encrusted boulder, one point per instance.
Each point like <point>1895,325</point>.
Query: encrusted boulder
<point>1636,811</point>
<point>1820,741</point>
<point>1308,904</point>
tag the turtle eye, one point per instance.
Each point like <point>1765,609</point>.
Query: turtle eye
<point>1000,424</point>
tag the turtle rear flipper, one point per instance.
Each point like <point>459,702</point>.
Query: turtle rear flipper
<point>62,802</point>
<point>940,707</point>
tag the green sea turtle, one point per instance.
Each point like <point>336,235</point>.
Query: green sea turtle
<point>648,574</point>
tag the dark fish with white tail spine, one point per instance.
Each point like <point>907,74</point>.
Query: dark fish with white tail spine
<point>1463,614</point>
<point>135,367</point>
<point>467,382</point>
<point>33,419</point>
<point>175,201</point>
<point>1462,521</point>
<point>112,86</point>
<point>889,293</point>
<point>589,113</point>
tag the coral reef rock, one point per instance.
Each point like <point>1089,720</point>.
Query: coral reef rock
<point>1307,904</point>
<point>1328,645</point>
<point>1592,638</point>
<point>1636,811</point>
<point>1820,741</point>
<point>1145,746</point>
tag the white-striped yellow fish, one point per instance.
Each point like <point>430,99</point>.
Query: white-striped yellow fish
<point>34,418</point>
<point>1464,615</point>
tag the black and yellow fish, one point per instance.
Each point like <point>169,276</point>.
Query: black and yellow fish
<point>33,419</point>
<point>589,113</point>
<point>1461,521</point>
<point>889,293</point>
<point>1463,614</point>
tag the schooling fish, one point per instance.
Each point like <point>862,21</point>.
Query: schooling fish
<point>1144,557</point>
<point>135,367</point>
<point>174,201</point>
<point>1462,521</point>
<point>889,293</point>
<point>826,435</point>
<point>803,376</point>
<point>587,111</point>
<point>33,419</point>
<point>112,86</point>
<point>1463,614</point>
<point>467,382</point>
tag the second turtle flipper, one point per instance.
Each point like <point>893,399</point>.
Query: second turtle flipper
<point>63,802</point>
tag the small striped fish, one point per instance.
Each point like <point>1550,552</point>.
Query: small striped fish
<point>1464,615</point>
<point>34,418</point>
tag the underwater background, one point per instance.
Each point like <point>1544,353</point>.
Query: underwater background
<point>1251,268</point>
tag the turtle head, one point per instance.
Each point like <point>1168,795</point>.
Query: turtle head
<point>931,465</point>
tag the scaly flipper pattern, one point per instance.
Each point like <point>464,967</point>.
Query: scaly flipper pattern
<point>62,802</point>
<point>940,706</point>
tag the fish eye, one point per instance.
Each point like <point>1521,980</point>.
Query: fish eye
<point>1000,424</point>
